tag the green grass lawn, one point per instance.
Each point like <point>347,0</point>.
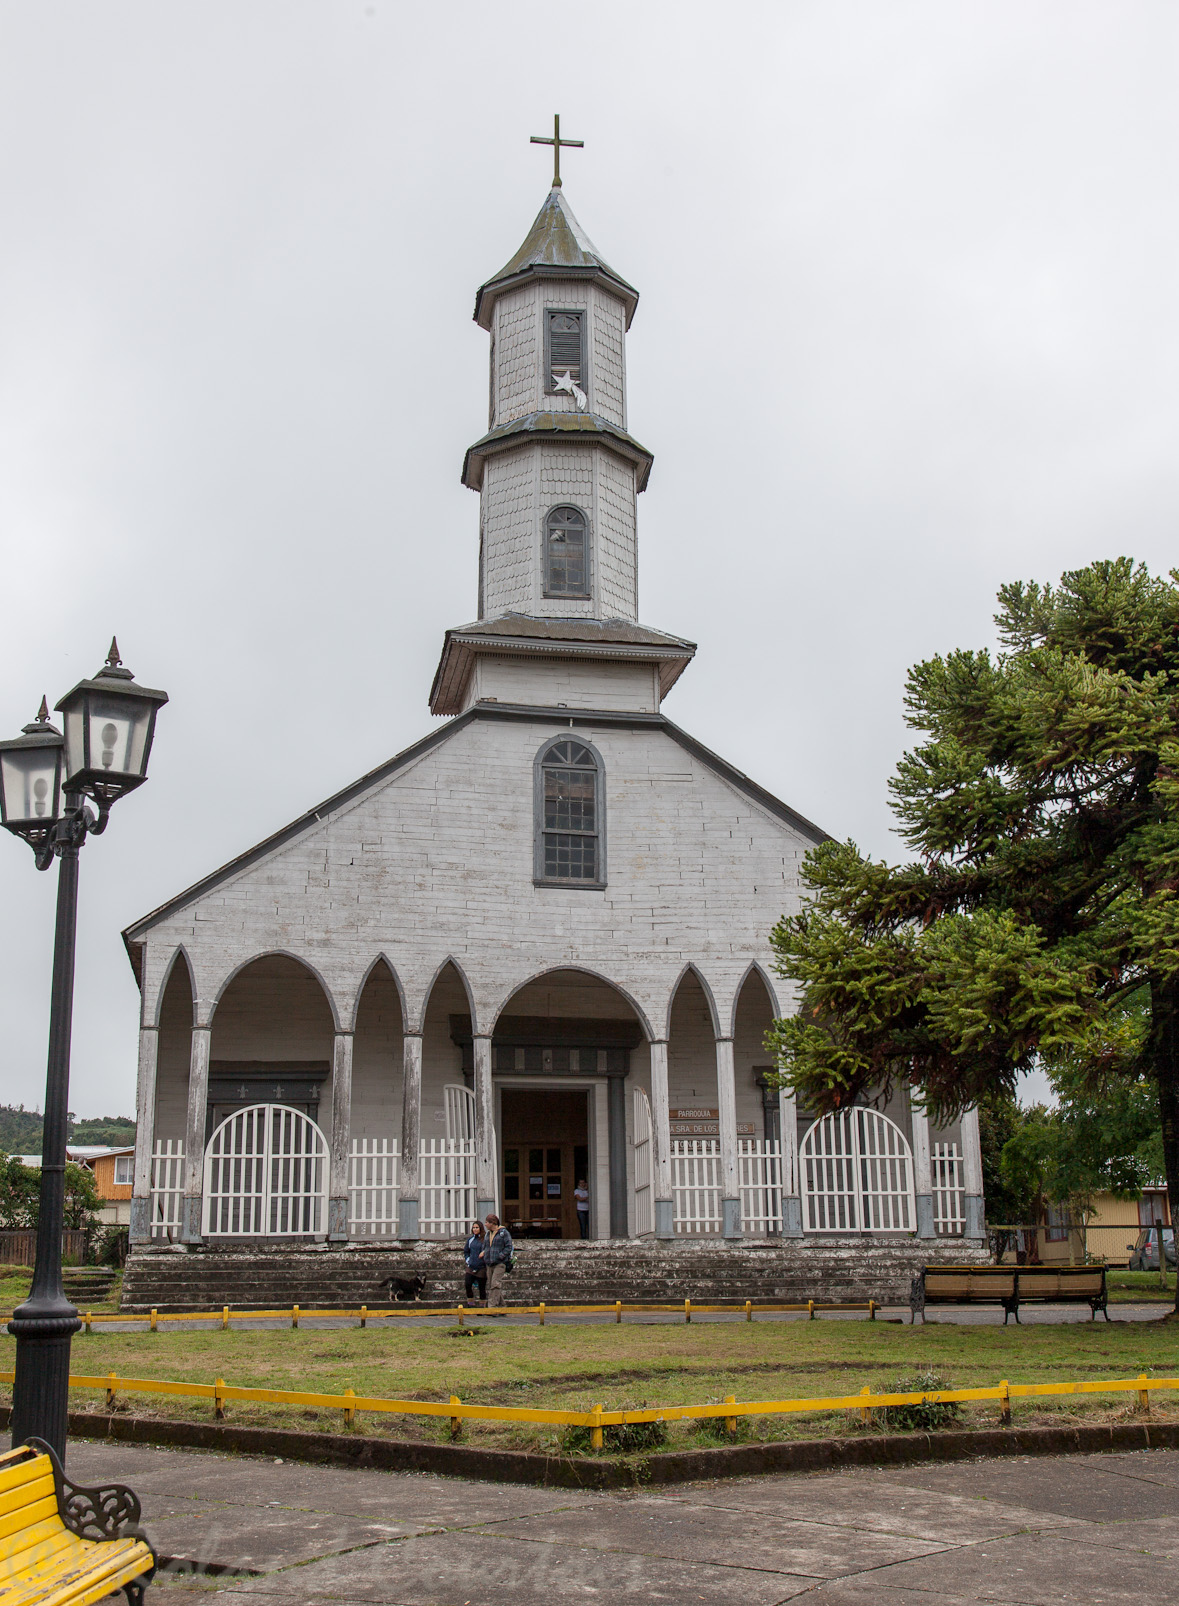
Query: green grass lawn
<point>632,1365</point>
<point>14,1285</point>
<point>1138,1287</point>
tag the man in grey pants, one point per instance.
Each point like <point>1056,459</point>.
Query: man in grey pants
<point>496,1257</point>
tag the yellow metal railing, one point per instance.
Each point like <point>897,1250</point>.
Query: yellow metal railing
<point>293,1313</point>
<point>598,1417</point>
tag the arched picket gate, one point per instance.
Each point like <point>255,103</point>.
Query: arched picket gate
<point>266,1174</point>
<point>857,1174</point>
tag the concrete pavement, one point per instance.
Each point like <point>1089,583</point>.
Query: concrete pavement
<point>968,1315</point>
<point>1012,1532</point>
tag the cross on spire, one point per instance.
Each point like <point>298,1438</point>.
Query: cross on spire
<point>556,142</point>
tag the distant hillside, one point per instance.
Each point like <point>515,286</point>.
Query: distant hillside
<point>115,1130</point>
<point>20,1130</point>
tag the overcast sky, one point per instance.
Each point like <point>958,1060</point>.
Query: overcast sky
<point>907,331</point>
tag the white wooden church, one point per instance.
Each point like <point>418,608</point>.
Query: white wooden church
<point>532,949</point>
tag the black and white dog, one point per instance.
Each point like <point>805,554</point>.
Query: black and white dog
<point>406,1288</point>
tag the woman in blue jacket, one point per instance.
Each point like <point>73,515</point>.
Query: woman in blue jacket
<point>476,1265</point>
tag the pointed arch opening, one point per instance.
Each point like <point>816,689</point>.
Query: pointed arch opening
<point>272,1041</point>
<point>757,1094</point>
<point>173,1053</point>
<point>566,1046</point>
<point>377,1059</point>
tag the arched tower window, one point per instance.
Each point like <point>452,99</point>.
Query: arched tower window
<point>566,569</point>
<point>570,824</point>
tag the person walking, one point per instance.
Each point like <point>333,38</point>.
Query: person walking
<point>476,1274</point>
<point>497,1252</point>
<point>581,1200</point>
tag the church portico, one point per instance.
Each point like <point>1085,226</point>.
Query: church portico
<point>411,1131</point>
<point>532,949</point>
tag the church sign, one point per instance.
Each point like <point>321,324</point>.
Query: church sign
<point>698,1122</point>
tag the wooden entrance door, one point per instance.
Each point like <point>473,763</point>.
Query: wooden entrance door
<point>545,1152</point>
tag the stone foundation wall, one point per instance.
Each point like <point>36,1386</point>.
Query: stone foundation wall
<point>281,1275</point>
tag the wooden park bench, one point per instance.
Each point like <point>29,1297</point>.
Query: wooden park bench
<point>1009,1286</point>
<point>62,1543</point>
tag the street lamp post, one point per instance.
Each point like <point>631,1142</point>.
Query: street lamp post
<point>45,781</point>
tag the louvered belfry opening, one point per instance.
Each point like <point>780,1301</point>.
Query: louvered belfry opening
<point>570,813</point>
<point>565,566</point>
<point>564,346</point>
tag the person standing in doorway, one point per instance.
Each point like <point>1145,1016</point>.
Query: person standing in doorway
<point>496,1255</point>
<point>581,1200</point>
<point>476,1275</point>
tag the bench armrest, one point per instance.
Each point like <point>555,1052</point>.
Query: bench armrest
<point>109,1512</point>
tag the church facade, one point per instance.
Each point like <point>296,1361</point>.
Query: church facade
<point>526,959</point>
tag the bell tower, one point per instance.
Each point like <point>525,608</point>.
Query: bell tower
<point>558,476</point>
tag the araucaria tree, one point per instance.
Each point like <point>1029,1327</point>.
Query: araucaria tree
<point>1039,920</point>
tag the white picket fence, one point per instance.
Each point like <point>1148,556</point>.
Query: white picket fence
<point>251,1193</point>
<point>167,1187</point>
<point>236,1206</point>
<point>696,1186</point>
<point>759,1172</point>
<point>373,1188</point>
<point>857,1174</point>
<point>447,1183</point>
<point>949,1191</point>
<point>266,1175</point>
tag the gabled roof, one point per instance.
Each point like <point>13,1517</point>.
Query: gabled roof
<point>526,634</point>
<point>515,433</point>
<point>556,246</point>
<point>134,935</point>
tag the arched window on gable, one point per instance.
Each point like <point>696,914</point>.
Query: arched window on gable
<point>570,815</point>
<point>566,554</point>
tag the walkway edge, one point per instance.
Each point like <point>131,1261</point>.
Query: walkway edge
<point>584,1472</point>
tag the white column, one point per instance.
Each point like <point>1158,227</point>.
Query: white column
<point>972,1172</point>
<point>661,1143</point>
<point>145,1131</point>
<point>922,1170</point>
<point>194,1133</point>
<point>408,1199</point>
<point>484,1128</point>
<point>791,1189</point>
<point>726,1099</point>
<point>339,1165</point>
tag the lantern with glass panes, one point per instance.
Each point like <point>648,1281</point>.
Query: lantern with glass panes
<point>44,776</point>
<point>30,780</point>
<point>109,725</point>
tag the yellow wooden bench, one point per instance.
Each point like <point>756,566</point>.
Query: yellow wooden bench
<point>64,1545</point>
<point>1009,1286</point>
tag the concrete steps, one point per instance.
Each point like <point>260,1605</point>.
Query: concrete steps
<point>87,1282</point>
<point>279,1275</point>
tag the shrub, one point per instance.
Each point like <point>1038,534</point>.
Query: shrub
<point>625,1438</point>
<point>713,1431</point>
<point>109,1246</point>
<point>926,1414</point>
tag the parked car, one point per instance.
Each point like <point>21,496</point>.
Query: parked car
<point>1144,1252</point>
